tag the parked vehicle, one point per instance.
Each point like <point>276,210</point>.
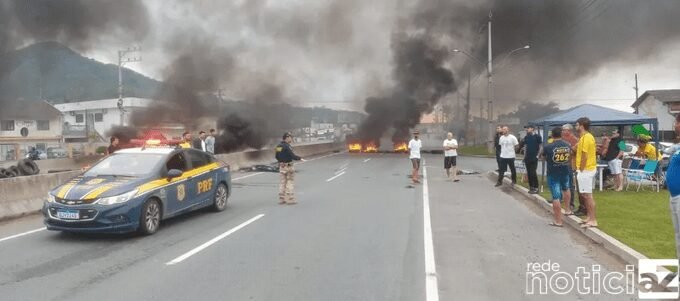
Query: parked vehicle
<point>56,152</point>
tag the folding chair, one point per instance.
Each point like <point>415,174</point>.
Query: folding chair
<point>646,176</point>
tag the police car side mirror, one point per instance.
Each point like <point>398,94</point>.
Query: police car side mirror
<point>174,173</point>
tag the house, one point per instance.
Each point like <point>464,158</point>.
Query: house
<point>26,124</point>
<point>93,119</point>
<point>663,105</point>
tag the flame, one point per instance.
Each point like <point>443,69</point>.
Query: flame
<point>401,147</point>
<point>371,148</point>
<point>355,147</point>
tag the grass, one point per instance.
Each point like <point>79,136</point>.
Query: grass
<point>640,220</point>
<point>478,150</point>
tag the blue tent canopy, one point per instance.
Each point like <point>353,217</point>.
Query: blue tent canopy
<point>599,116</point>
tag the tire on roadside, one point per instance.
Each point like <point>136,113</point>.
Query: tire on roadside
<point>150,217</point>
<point>2,173</point>
<point>220,198</point>
<point>28,167</point>
<point>12,172</point>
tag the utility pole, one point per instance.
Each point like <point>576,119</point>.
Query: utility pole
<point>467,110</point>
<point>489,70</point>
<point>122,60</point>
<point>636,92</point>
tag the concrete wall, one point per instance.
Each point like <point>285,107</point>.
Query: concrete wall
<point>48,165</point>
<point>25,195</point>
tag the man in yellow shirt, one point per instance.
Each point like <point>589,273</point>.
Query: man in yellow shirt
<point>186,143</point>
<point>586,165</point>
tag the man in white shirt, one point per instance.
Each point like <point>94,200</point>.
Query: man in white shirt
<point>414,154</point>
<point>450,155</point>
<point>210,142</point>
<point>508,142</point>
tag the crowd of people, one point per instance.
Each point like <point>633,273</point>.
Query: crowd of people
<point>571,165</point>
<point>204,141</point>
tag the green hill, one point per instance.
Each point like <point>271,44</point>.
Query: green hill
<point>54,72</point>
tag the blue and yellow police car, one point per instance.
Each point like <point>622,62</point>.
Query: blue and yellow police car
<point>135,189</point>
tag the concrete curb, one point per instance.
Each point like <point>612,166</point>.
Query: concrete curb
<point>611,244</point>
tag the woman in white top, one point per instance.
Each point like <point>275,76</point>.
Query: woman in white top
<point>450,155</point>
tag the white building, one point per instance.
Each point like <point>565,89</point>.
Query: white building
<point>26,124</point>
<point>97,116</point>
<point>662,104</point>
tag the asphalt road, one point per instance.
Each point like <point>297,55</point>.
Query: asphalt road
<point>358,233</point>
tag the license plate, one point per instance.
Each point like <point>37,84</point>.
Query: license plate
<point>68,214</point>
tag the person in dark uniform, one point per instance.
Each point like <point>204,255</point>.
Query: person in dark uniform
<point>532,144</point>
<point>285,156</point>
<point>113,146</point>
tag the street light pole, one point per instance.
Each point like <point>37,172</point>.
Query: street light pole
<point>121,61</point>
<point>489,105</point>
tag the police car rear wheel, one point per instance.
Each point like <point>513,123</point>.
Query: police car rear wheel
<point>220,198</point>
<point>151,217</point>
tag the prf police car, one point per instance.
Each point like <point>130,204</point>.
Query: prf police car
<point>135,189</point>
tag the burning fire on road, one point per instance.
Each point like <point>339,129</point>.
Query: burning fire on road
<point>400,147</point>
<point>370,148</point>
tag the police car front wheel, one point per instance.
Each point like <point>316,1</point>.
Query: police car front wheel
<point>221,194</point>
<point>150,218</point>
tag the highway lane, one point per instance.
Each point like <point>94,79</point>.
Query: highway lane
<point>357,234</point>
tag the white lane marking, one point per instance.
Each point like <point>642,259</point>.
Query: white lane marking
<point>22,234</point>
<point>248,176</point>
<point>335,177</point>
<point>431,286</point>
<point>326,156</point>
<point>341,170</point>
<point>369,159</point>
<point>212,241</point>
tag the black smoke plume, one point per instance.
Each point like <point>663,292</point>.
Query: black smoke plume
<point>421,81</point>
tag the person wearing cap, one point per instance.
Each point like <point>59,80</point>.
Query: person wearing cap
<point>414,154</point>
<point>285,156</point>
<point>532,144</point>
<point>646,150</point>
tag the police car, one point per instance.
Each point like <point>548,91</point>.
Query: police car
<point>135,189</point>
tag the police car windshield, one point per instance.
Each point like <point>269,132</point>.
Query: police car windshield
<point>129,165</point>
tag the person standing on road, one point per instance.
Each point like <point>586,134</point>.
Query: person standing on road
<point>569,137</point>
<point>612,153</point>
<point>199,143</point>
<point>114,145</point>
<point>532,144</point>
<point>414,154</point>
<point>586,160</point>
<point>210,142</point>
<point>557,156</point>
<point>497,145</point>
<point>508,142</point>
<point>450,156</point>
<point>285,156</point>
<point>673,184</point>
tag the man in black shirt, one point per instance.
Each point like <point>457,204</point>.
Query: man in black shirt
<point>613,152</point>
<point>532,143</point>
<point>285,156</point>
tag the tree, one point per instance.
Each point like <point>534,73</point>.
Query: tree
<point>528,111</point>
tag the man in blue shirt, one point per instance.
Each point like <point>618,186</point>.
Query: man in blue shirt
<point>673,183</point>
<point>557,155</point>
<point>532,144</point>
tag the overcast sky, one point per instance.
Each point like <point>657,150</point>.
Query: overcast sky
<point>335,54</point>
